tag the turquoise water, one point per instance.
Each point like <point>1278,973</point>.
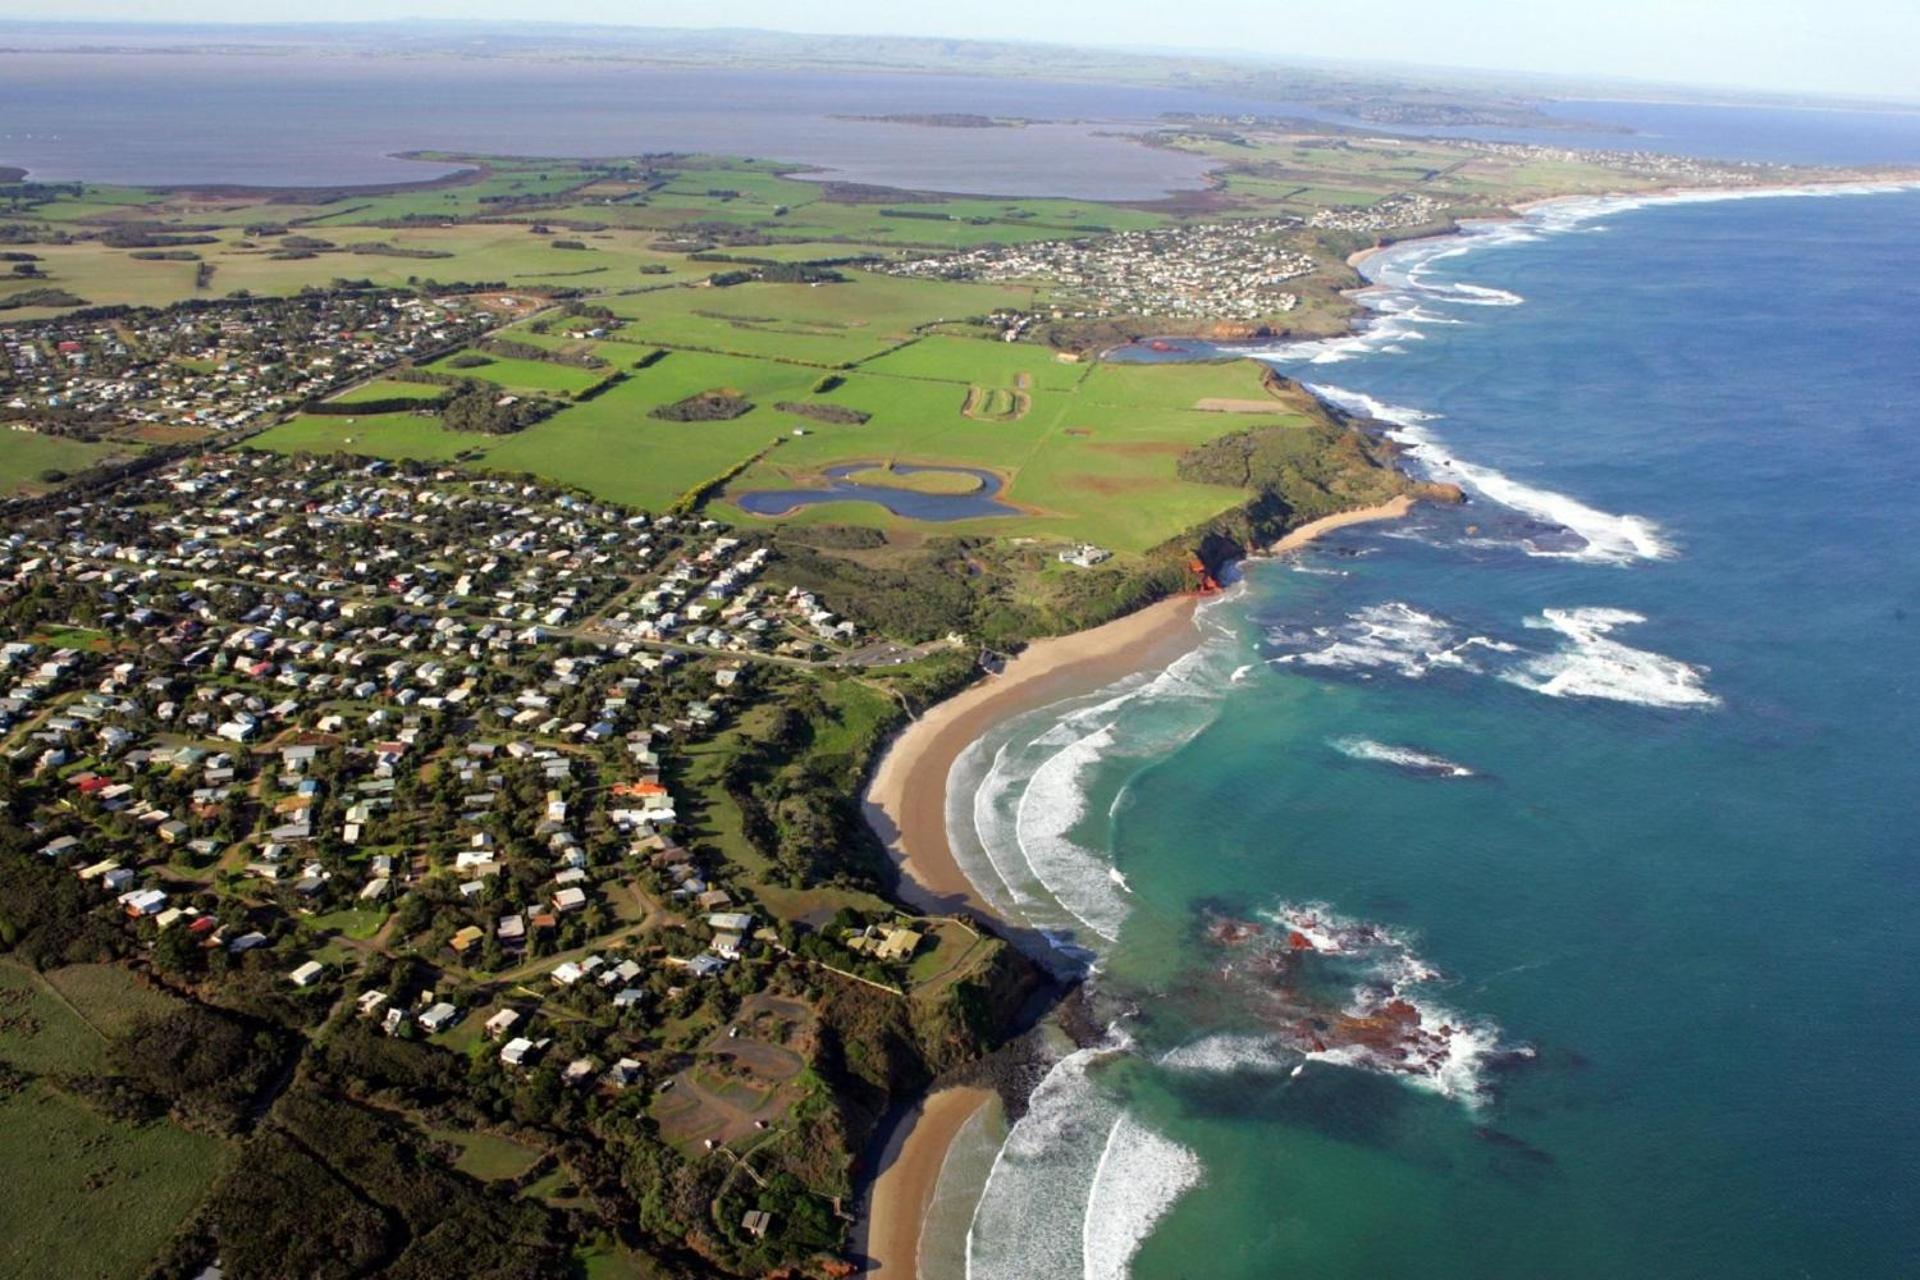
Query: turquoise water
<point>1610,774</point>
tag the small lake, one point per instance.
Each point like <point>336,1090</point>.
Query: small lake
<point>982,502</point>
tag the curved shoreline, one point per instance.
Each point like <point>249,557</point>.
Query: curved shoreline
<point>906,805</point>
<point>906,800</point>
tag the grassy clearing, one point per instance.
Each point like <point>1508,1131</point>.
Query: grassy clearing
<point>942,482</point>
<point>27,458</point>
<point>107,996</point>
<point>487,1156</point>
<point>385,435</point>
<point>390,389</point>
<point>42,1033</point>
<point>522,375</point>
<point>356,923</point>
<point>89,1197</point>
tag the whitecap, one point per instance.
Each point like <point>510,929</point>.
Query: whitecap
<point>1393,636</point>
<point>1408,758</point>
<point>1594,665</point>
<point>1018,820</point>
<point>1605,538</point>
<point>1226,1052</point>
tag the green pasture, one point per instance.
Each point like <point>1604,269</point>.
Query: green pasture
<point>391,389</point>
<point>90,1196</point>
<point>523,375</point>
<point>26,455</point>
<point>979,361</point>
<point>386,435</point>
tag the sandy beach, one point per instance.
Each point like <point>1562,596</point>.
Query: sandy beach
<point>1392,509</point>
<point>906,803</point>
<point>898,1199</point>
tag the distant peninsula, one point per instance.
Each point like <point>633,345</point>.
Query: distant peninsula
<point>944,120</point>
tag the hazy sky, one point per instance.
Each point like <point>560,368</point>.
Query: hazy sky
<point>1838,46</point>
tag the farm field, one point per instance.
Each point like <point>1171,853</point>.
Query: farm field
<point>826,324</point>
<point>1089,453</point>
<point>945,358</point>
<point>502,254</point>
<point>1094,461</point>
<point>522,375</point>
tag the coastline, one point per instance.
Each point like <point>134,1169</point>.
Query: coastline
<point>906,801</point>
<point>1391,509</point>
<point>1895,179</point>
<point>906,805</point>
<point>893,1213</point>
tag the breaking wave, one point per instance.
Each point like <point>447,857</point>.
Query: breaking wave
<point>1019,810</point>
<point>1396,637</point>
<point>1079,1184</point>
<point>1413,761</point>
<point>1138,1179</point>
<point>1227,1053</point>
<point>1606,538</point>
<point>1594,665</point>
<point>1391,636</point>
<point>1389,1023</point>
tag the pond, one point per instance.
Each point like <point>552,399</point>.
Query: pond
<point>908,503</point>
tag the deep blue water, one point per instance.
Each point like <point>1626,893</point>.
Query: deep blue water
<point>1671,901</point>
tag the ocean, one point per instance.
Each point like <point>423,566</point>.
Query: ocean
<point>1528,888</point>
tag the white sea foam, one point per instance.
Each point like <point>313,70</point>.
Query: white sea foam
<point>1023,820</point>
<point>1226,1053</point>
<point>1394,636</point>
<point>1079,1183</point>
<point>1138,1179</point>
<point>1594,665</point>
<point>1408,758</point>
<point>988,795</point>
<point>1033,1210</point>
<point>1051,806</point>
<point>1589,662</point>
<point>1451,1053</point>
<point>1606,538</point>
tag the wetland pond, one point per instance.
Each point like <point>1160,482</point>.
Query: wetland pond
<point>847,483</point>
